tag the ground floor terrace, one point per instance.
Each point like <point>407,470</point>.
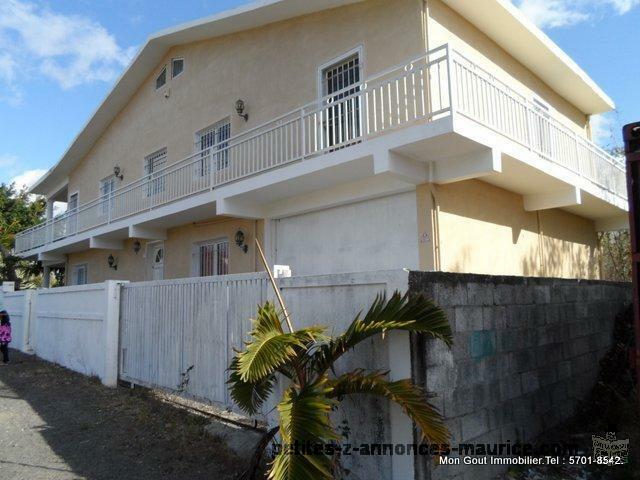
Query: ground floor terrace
<point>464,227</point>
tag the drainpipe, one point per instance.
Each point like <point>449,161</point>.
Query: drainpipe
<point>433,203</point>
<point>255,235</point>
<point>435,218</point>
<point>424,5</point>
<point>541,252</point>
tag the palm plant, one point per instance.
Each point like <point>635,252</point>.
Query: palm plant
<point>306,357</point>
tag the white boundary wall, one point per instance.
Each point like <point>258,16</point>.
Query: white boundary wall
<point>18,304</point>
<point>70,326</point>
<point>155,331</point>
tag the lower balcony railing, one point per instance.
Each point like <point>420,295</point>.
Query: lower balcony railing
<point>429,87</point>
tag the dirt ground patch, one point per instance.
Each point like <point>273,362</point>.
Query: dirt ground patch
<point>59,425</point>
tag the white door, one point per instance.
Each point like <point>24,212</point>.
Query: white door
<point>156,258</point>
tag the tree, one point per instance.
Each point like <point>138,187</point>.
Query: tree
<point>615,254</point>
<point>615,247</point>
<point>17,212</point>
<point>306,358</point>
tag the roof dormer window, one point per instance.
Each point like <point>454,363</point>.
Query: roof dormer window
<point>177,67</point>
<point>161,79</point>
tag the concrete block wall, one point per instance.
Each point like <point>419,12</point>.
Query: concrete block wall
<point>526,351</point>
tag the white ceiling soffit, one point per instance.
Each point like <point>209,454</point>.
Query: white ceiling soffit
<point>508,27</point>
<point>245,17</point>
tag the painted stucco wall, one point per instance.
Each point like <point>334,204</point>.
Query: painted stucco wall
<point>485,229</point>
<point>480,229</point>
<point>178,246</point>
<point>274,69</point>
<point>178,249</point>
<point>252,65</point>
<point>377,234</point>
<point>447,26</point>
<point>493,236</point>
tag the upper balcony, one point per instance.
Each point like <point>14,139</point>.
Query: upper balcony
<point>431,110</point>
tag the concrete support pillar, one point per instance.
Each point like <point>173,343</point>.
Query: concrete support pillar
<point>46,277</point>
<point>29,318</point>
<point>399,351</point>
<point>49,209</point>
<point>111,332</point>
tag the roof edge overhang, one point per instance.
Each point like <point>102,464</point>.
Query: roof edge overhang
<point>506,25</point>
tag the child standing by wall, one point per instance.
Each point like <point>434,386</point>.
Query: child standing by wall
<point>5,336</point>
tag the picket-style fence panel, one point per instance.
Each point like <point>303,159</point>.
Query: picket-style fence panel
<point>180,334</point>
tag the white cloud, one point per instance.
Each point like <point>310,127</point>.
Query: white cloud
<point>68,49</point>
<point>564,13</point>
<point>602,128</point>
<point>551,13</point>
<point>28,178</point>
<point>623,6</point>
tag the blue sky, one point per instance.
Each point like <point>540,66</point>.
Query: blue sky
<point>59,58</point>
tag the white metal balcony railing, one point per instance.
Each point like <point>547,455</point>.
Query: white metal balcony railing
<point>425,88</point>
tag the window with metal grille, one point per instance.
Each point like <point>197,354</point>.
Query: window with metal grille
<point>340,84</point>
<point>177,67</point>
<point>73,202</point>
<point>161,79</point>
<point>211,258</point>
<point>216,137</point>
<point>153,165</point>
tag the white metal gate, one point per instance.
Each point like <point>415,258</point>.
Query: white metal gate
<point>180,334</point>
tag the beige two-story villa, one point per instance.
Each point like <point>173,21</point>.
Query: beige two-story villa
<point>346,136</point>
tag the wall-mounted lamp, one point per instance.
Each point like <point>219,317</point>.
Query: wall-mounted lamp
<point>113,262</point>
<point>240,110</point>
<point>117,172</point>
<point>137,246</point>
<point>240,241</point>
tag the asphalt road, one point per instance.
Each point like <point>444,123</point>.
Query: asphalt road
<point>59,425</point>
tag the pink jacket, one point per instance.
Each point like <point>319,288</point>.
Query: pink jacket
<point>5,333</point>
